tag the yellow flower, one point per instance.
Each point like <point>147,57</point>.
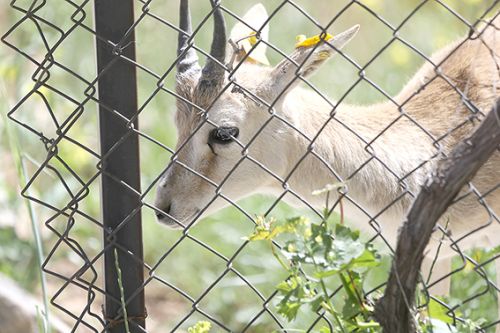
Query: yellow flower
<point>308,233</point>
<point>400,54</point>
<point>200,327</point>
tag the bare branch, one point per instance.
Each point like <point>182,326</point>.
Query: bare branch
<point>395,310</point>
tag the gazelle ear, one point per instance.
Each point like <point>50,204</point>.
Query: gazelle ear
<point>244,35</point>
<point>308,56</point>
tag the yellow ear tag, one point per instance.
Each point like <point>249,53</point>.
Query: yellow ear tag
<point>302,41</point>
<point>258,54</point>
<point>253,38</point>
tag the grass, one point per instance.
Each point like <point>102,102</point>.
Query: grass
<point>23,179</point>
<point>122,292</point>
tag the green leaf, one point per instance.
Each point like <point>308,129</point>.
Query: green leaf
<point>259,234</point>
<point>350,309</point>
<point>324,329</point>
<point>325,273</point>
<point>284,287</point>
<point>437,326</point>
<point>366,260</point>
<point>345,250</point>
<point>344,232</point>
<point>294,223</point>
<point>316,301</point>
<point>439,312</point>
<point>288,309</point>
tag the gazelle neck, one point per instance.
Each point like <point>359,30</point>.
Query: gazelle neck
<point>351,149</point>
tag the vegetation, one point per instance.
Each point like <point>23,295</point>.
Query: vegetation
<point>320,256</point>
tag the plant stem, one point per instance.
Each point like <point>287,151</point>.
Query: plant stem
<point>122,293</point>
<point>22,174</point>
<point>341,206</point>
<point>329,304</point>
<point>349,286</point>
<point>40,256</point>
<point>282,263</point>
<point>330,307</point>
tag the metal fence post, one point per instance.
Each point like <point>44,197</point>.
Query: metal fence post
<point>120,165</point>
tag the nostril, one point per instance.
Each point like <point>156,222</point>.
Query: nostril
<point>163,213</point>
<point>160,215</point>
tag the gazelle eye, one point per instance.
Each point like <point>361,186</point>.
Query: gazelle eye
<point>223,135</point>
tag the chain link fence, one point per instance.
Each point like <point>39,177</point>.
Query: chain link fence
<point>248,126</point>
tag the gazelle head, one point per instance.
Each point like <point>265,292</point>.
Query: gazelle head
<point>229,144</point>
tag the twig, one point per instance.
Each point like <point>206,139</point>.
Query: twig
<point>395,310</point>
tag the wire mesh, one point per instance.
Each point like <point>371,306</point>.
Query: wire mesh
<point>206,271</point>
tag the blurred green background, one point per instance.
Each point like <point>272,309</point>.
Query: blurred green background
<point>190,266</point>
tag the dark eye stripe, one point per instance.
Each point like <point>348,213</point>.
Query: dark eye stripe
<point>223,135</point>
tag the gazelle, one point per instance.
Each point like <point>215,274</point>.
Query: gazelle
<point>270,135</point>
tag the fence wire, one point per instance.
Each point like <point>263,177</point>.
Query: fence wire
<point>179,296</point>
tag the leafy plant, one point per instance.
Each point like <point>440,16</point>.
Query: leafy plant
<point>315,254</point>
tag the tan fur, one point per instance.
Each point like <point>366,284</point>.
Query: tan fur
<point>383,153</point>
<point>437,108</point>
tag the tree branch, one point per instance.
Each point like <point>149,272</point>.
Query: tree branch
<point>395,309</point>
